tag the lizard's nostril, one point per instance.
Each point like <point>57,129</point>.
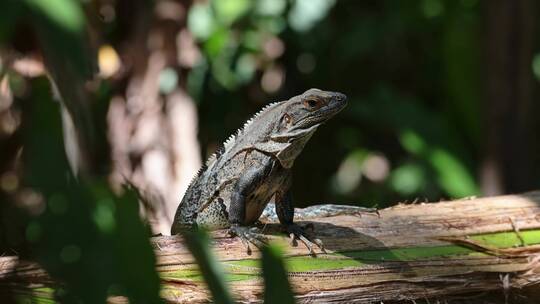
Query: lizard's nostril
<point>340,97</point>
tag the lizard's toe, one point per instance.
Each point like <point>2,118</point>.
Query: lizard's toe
<point>297,233</point>
<point>248,235</point>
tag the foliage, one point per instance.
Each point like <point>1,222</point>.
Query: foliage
<point>415,126</point>
<point>80,231</point>
<point>411,72</point>
<point>198,243</point>
<point>276,284</point>
<point>85,235</point>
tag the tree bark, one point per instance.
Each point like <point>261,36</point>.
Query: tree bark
<point>410,251</point>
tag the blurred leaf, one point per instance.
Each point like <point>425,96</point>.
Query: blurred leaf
<point>305,13</point>
<point>270,7</point>
<point>65,14</point>
<point>198,242</point>
<point>10,11</point>
<point>99,107</point>
<point>273,25</point>
<point>135,256</point>
<point>44,140</point>
<point>64,239</point>
<point>168,80</point>
<point>245,68</point>
<point>412,142</point>
<point>452,175</point>
<point>432,8</point>
<point>223,73</point>
<point>426,135</point>
<point>349,173</point>
<point>228,11</point>
<point>103,215</point>
<point>196,79</point>
<point>83,235</point>
<point>276,284</point>
<point>60,25</point>
<point>200,20</point>
<point>408,179</point>
<point>536,66</point>
<point>461,51</point>
<point>218,41</point>
<point>252,40</point>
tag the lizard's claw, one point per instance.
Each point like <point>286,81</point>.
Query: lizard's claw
<point>248,235</point>
<point>297,233</point>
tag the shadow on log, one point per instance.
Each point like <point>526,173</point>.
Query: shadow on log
<point>420,251</point>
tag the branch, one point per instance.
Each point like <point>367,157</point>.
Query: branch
<point>433,250</point>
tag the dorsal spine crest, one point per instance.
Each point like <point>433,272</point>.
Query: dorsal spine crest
<point>230,140</point>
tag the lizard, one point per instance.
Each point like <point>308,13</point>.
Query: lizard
<point>233,187</point>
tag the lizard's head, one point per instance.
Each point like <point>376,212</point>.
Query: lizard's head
<point>308,111</point>
<point>300,118</point>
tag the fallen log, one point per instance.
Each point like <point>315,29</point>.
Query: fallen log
<point>410,251</point>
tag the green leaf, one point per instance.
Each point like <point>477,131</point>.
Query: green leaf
<point>84,235</point>
<point>198,242</point>
<point>66,14</point>
<point>408,179</point>
<point>228,11</point>
<point>276,284</point>
<point>44,140</point>
<point>271,7</point>
<point>452,175</point>
<point>432,8</point>
<point>70,61</point>
<point>64,238</point>
<point>135,256</point>
<point>201,21</point>
<point>245,67</point>
<point>412,142</point>
<point>218,42</point>
<point>425,134</point>
<point>306,13</point>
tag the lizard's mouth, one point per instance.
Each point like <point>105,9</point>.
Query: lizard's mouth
<point>295,134</point>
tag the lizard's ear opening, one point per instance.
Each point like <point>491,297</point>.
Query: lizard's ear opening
<point>286,120</point>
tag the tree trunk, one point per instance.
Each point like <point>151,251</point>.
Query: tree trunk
<point>408,252</point>
<point>508,53</point>
<point>152,129</point>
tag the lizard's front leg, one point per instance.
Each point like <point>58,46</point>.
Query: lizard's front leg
<point>285,213</point>
<point>244,187</point>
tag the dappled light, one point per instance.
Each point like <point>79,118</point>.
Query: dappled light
<point>109,110</point>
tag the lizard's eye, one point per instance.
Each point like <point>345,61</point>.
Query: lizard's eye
<point>312,104</point>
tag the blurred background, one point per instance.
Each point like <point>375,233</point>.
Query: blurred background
<point>95,94</point>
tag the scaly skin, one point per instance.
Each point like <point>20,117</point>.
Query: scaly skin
<point>254,166</point>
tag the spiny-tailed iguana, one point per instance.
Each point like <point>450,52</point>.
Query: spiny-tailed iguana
<point>234,186</point>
